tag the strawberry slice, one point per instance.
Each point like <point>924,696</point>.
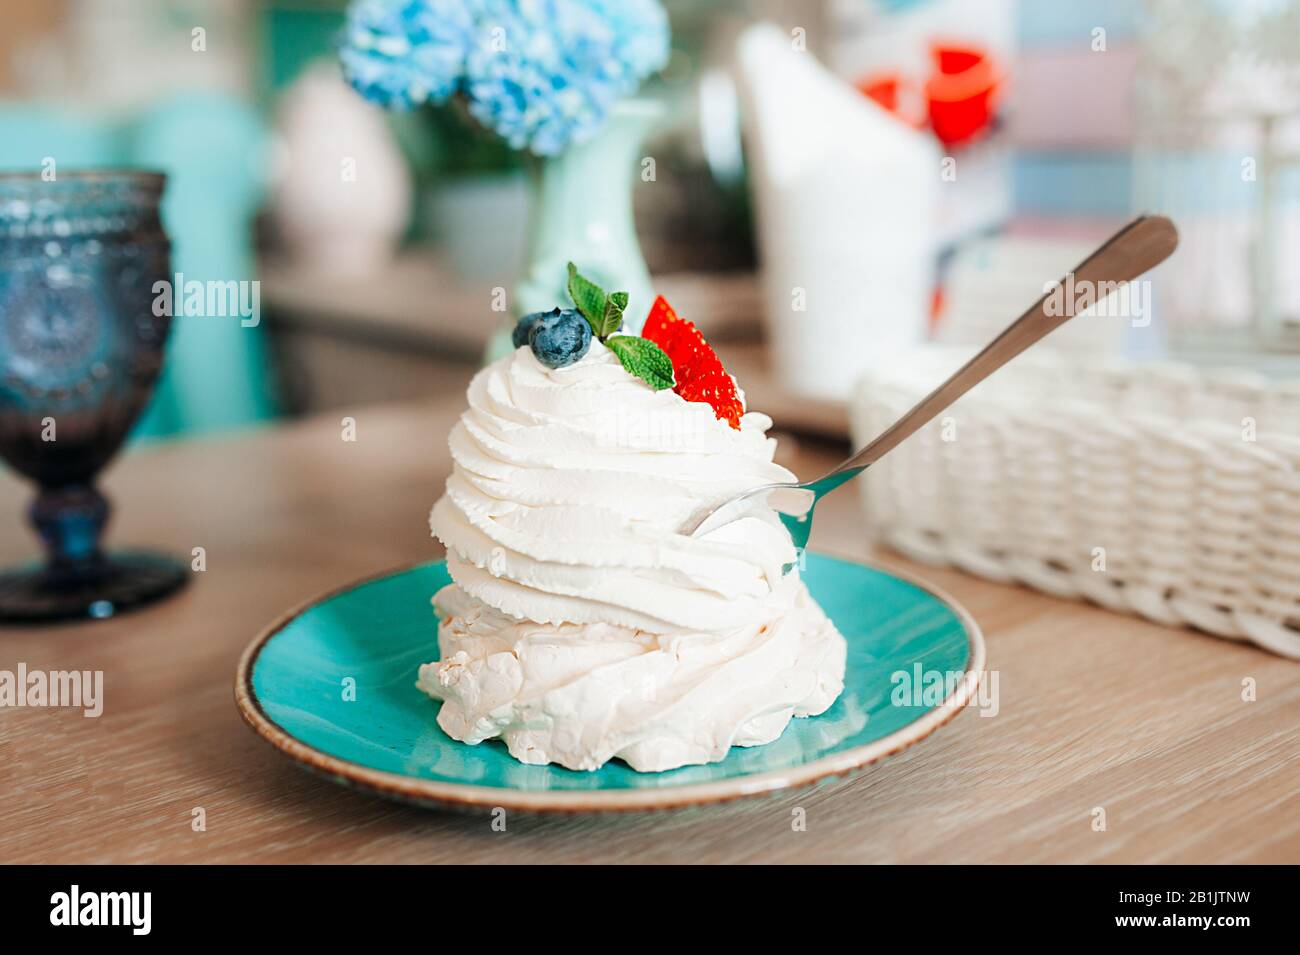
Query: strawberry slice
<point>718,390</point>
<point>697,370</point>
<point>681,340</point>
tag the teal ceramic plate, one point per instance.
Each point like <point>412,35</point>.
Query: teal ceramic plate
<point>291,681</point>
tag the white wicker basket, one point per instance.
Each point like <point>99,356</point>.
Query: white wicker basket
<point>1150,489</point>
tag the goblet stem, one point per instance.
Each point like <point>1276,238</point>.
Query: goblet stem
<point>78,579</point>
<point>70,520</point>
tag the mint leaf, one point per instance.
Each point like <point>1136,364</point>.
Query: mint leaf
<point>589,299</point>
<point>643,358</point>
<point>613,318</point>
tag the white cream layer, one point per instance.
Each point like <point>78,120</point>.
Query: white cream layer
<point>581,625</point>
<point>582,694</point>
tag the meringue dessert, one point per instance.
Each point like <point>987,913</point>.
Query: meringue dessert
<point>581,626</point>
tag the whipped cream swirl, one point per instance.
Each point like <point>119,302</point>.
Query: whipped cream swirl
<point>581,625</point>
<point>568,489</point>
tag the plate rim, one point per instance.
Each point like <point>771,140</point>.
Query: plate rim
<point>430,792</point>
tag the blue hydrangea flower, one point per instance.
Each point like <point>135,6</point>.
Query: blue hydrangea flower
<point>401,53</point>
<point>544,73</point>
<point>641,32</point>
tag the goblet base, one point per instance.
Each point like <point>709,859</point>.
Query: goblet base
<point>118,582</point>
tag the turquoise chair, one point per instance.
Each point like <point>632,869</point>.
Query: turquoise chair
<point>213,149</point>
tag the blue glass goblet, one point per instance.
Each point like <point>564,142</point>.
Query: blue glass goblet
<point>80,351</point>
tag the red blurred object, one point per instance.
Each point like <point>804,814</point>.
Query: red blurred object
<point>937,303</point>
<point>895,93</point>
<point>883,88</point>
<point>961,92</point>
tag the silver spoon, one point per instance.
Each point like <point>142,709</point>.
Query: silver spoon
<point>1141,245</point>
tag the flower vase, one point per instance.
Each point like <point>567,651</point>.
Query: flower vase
<point>582,213</point>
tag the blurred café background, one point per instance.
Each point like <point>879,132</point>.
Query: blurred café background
<point>962,153</point>
<point>846,196</point>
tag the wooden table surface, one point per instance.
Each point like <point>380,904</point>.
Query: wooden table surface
<point>1095,710</point>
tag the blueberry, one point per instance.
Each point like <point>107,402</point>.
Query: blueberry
<point>525,325</point>
<point>559,338</point>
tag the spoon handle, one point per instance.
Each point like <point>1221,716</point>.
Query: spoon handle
<point>1141,245</point>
